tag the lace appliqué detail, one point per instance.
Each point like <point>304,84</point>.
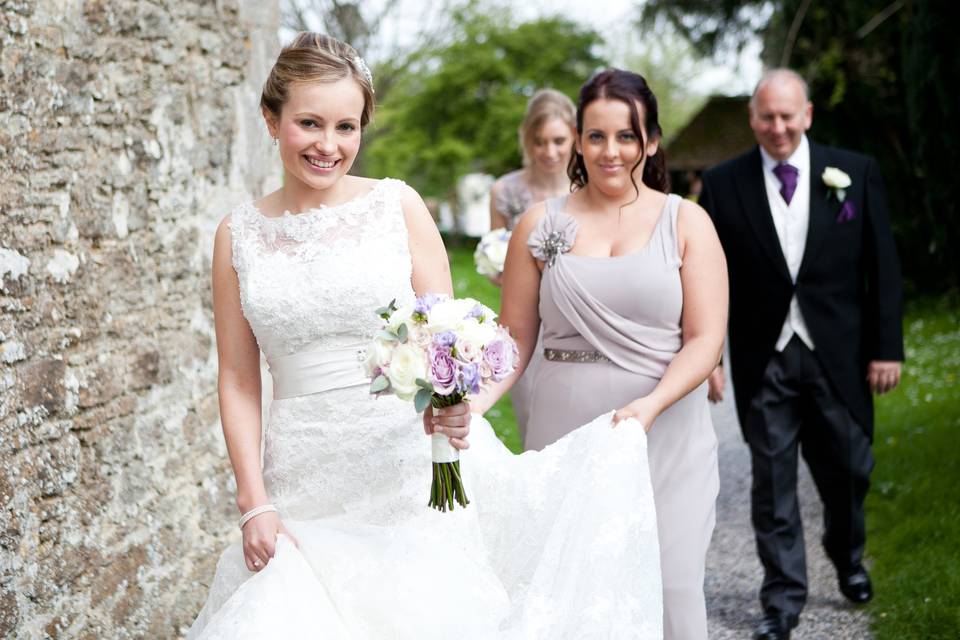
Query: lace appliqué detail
<point>343,261</point>
<point>553,235</point>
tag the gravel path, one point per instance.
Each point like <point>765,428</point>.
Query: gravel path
<point>733,570</point>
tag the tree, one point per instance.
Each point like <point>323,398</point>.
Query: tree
<point>457,107</point>
<point>669,64</point>
<point>881,83</point>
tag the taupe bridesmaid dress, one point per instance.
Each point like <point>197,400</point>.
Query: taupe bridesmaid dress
<point>610,328</point>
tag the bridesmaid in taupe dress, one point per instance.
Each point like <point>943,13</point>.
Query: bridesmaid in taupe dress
<point>546,140</point>
<point>633,301</point>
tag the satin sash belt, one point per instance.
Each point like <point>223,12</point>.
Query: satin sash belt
<point>306,372</point>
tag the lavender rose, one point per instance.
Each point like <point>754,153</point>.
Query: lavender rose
<point>501,356</point>
<point>442,370</point>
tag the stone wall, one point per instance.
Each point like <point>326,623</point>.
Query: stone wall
<point>127,130</point>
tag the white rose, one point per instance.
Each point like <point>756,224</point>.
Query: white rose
<point>468,351</point>
<point>448,315</point>
<point>479,333</point>
<point>400,316</point>
<point>419,336</point>
<point>835,178</point>
<point>407,365</point>
<point>378,356</point>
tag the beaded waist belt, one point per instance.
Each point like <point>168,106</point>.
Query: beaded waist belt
<point>574,355</point>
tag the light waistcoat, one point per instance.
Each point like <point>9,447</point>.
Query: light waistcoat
<point>791,222</point>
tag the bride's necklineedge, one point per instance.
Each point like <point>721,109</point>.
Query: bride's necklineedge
<point>319,208</point>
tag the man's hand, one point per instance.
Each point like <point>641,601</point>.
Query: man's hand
<point>883,375</point>
<point>716,381</point>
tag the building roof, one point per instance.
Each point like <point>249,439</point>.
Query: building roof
<point>718,132</point>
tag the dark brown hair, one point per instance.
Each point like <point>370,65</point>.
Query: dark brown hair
<point>315,57</point>
<point>630,88</point>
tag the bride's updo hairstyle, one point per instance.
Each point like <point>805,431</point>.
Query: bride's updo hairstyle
<point>315,57</point>
<point>629,88</point>
<point>545,105</point>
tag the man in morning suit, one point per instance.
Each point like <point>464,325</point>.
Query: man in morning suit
<point>815,328</point>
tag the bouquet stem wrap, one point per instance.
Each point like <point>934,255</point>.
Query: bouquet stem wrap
<point>447,486</point>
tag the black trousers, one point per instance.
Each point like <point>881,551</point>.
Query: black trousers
<point>796,410</point>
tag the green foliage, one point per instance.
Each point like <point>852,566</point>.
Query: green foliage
<point>458,107</point>
<point>881,83</point>
<point>710,25</point>
<point>913,515</point>
<point>467,283</point>
<point>671,66</point>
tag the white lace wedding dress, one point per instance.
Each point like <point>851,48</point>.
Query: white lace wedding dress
<point>555,544</point>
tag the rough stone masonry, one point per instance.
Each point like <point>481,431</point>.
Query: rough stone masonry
<point>127,130</point>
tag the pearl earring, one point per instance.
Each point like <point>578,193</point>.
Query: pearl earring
<point>275,143</point>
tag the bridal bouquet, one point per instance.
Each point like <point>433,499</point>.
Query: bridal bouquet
<point>437,352</point>
<point>491,252</point>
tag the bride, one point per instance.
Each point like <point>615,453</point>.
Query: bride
<point>337,540</point>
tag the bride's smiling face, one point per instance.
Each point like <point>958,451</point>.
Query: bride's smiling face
<point>319,131</point>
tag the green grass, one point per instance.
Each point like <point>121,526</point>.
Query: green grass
<point>467,283</point>
<point>913,509</point>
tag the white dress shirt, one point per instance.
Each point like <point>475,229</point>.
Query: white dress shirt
<point>791,222</point>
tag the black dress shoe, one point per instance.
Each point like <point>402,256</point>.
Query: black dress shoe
<point>770,628</point>
<point>856,586</point>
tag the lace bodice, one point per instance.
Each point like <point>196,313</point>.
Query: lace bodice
<point>313,280</point>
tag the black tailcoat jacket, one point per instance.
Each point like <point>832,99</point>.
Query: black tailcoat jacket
<point>848,286</point>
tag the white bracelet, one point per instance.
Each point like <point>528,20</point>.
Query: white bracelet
<point>253,513</point>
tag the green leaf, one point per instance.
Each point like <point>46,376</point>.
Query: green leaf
<point>423,384</point>
<point>389,336</point>
<point>421,400</point>
<point>379,384</point>
<point>402,333</point>
<point>387,311</point>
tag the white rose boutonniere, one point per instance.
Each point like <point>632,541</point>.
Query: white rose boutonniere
<point>838,181</point>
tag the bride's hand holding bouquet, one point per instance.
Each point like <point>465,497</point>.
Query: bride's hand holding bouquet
<point>437,353</point>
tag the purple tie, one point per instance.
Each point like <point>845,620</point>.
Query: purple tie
<point>787,175</point>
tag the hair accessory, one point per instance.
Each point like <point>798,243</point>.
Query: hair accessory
<point>364,69</point>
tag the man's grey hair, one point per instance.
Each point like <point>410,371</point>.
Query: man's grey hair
<point>780,73</point>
